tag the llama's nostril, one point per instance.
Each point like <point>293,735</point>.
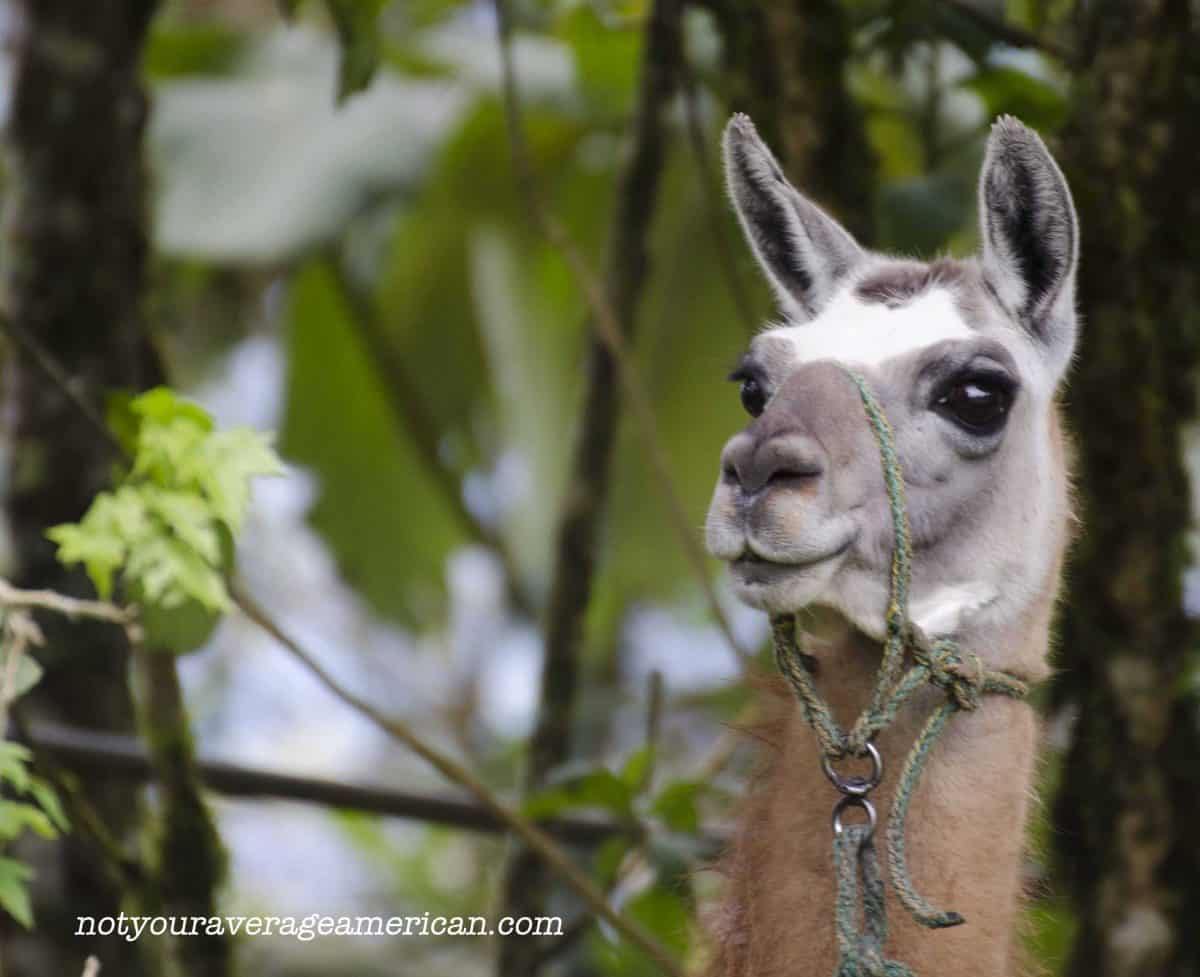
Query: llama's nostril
<point>729,473</point>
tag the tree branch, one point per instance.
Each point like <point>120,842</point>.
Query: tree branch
<point>71,607</point>
<point>531,834</point>
<point>1007,33</point>
<point>122,756</point>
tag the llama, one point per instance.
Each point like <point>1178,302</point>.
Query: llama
<point>965,358</point>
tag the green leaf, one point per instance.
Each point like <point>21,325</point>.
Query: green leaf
<point>599,788</point>
<point>14,891</point>
<point>178,629</point>
<point>16,816</point>
<point>676,805</point>
<point>170,526</point>
<point>47,799</point>
<point>609,856</point>
<point>606,59</point>
<point>383,516</point>
<point>167,572</point>
<point>230,460</point>
<point>14,765</point>
<point>1034,101</point>
<point>635,768</point>
<point>176,50</point>
<point>356,22</point>
<point>29,673</point>
<point>162,406</point>
<point>665,914</point>
<point>189,518</point>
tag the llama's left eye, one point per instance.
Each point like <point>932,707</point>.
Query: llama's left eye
<point>980,404</point>
<point>754,398</point>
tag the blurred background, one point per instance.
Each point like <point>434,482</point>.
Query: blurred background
<point>306,217</point>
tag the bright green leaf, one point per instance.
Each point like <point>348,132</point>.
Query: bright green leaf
<point>676,805</point>
<point>47,799</point>
<point>636,767</point>
<point>14,765</point>
<point>14,891</point>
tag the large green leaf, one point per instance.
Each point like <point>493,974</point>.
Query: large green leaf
<point>1006,90</point>
<point>378,508</point>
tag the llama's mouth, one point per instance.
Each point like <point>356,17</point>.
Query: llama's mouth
<point>753,567</point>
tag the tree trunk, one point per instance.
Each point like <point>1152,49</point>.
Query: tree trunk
<point>526,884</point>
<point>786,65</point>
<point>74,272</point>
<point>1130,797</point>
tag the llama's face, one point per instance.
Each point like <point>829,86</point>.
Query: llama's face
<point>964,357</point>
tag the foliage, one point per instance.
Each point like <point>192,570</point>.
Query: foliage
<point>285,210</point>
<point>168,526</point>
<point>356,22</point>
<point>39,811</point>
<point>27,802</point>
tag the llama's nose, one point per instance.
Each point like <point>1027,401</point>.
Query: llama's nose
<point>784,459</point>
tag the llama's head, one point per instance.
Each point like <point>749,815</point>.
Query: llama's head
<point>965,358</point>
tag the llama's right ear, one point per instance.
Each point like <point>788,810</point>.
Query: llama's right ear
<point>803,250</point>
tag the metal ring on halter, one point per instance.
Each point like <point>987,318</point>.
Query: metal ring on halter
<point>856,786</point>
<point>854,800</point>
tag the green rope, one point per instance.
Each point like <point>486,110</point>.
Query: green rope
<point>861,955</point>
<point>861,907</point>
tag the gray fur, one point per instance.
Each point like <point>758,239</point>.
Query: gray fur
<point>800,510</point>
<point>1030,235</point>
<point>804,251</point>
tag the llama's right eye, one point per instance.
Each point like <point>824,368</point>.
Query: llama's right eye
<point>754,398</point>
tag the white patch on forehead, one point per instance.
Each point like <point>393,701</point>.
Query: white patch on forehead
<point>850,330</point>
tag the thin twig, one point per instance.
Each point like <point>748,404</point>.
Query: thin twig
<point>72,607</point>
<point>607,324</point>
<point>531,834</point>
<point>59,377</point>
<point>123,756</point>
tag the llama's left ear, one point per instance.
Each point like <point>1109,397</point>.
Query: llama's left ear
<point>1030,236</point>
<point>805,252</point>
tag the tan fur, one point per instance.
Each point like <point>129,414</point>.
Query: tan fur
<point>800,514</point>
<point>966,826</point>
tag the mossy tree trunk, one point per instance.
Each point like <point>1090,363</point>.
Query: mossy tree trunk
<point>1130,798</point>
<point>75,251</point>
<point>786,65</point>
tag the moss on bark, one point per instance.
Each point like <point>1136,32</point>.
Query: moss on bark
<point>1131,792</point>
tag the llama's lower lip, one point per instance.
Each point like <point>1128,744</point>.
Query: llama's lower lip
<point>753,568</point>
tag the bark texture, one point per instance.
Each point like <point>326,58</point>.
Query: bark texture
<point>1130,797</point>
<point>786,68</point>
<point>74,271</point>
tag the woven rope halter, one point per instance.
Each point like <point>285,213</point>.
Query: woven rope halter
<point>861,910</point>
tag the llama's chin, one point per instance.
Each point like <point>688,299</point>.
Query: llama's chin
<point>781,588</point>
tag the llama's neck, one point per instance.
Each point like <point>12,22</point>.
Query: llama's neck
<point>965,833</point>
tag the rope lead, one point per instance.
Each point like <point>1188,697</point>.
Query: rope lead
<point>861,906</point>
